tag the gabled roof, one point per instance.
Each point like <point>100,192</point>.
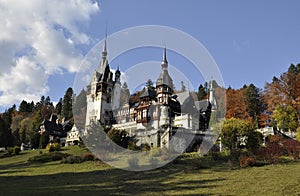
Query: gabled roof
<point>148,93</point>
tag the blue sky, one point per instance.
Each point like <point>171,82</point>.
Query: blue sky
<point>251,41</point>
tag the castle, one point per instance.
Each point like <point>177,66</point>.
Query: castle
<point>155,116</point>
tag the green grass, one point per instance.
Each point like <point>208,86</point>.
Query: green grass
<point>17,177</point>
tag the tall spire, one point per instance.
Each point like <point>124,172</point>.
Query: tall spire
<point>104,52</point>
<point>165,56</point>
<point>164,77</point>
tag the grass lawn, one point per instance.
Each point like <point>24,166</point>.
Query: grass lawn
<point>17,177</point>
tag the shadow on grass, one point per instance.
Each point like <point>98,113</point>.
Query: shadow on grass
<point>105,182</point>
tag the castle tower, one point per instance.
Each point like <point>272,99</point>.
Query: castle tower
<point>164,83</point>
<point>99,92</point>
<point>164,91</point>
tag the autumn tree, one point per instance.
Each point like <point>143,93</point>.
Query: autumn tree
<point>236,105</point>
<point>284,90</point>
<point>285,117</point>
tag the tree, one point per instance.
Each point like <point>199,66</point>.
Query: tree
<point>23,106</point>
<point>24,130</point>
<point>253,101</point>
<point>58,107</point>
<point>284,90</point>
<point>286,118</point>
<point>48,102</point>
<point>35,140</point>
<point>149,84</point>
<point>44,140</point>
<point>202,92</point>
<point>15,129</point>
<point>36,122</point>
<point>6,137</point>
<point>236,106</point>
<point>120,137</point>
<point>67,104</point>
<point>235,129</point>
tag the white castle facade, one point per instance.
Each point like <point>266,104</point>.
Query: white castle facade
<point>155,116</point>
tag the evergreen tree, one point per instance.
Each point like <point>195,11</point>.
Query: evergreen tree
<point>202,92</point>
<point>48,102</point>
<point>58,107</point>
<point>254,105</point>
<point>6,137</point>
<point>23,106</point>
<point>3,133</point>
<point>36,122</point>
<point>149,84</point>
<point>67,104</point>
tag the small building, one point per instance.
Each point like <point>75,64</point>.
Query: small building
<point>73,137</point>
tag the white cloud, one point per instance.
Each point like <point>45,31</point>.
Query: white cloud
<point>39,38</point>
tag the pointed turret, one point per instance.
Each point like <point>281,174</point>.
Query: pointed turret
<point>164,77</point>
<point>165,62</point>
<point>117,75</point>
<point>104,52</point>
<point>104,62</point>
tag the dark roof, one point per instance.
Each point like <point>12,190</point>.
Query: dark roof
<point>148,92</point>
<point>202,105</point>
<point>164,78</point>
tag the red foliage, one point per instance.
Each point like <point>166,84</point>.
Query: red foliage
<point>292,147</point>
<point>247,161</point>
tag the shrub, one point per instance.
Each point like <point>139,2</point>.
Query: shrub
<point>132,146</point>
<point>88,157</point>
<point>72,159</point>
<point>10,151</point>
<point>16,150</point>
<point>53,147</point>
<point>272,152</point>
<point>48,157</point>
<point>274,139</point>
<point>247,161</point>
<point>146,147</point>
<point>292,147</point>
<point>235,154</point>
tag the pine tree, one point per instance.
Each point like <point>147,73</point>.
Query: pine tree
<point>254,105</point>
<point>67,104</point>
<point>58,107</point>
<point>202,92</point>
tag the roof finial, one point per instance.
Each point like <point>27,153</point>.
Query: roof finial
<point>165,55</point>
<point>104,52</point>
